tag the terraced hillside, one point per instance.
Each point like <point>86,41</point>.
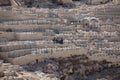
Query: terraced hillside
<point>45,37</point>
<point>26,34</point>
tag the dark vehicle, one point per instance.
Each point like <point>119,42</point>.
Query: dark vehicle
<point>58,40</point>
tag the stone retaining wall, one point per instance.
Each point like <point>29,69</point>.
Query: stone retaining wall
<point>32,57</point>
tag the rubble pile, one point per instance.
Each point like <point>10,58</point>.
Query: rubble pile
<point>10,72</point>
<point>16,72</point>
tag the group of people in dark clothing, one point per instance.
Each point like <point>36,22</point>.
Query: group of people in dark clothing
<point>57,40</point>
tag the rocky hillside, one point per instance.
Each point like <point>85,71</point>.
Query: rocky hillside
<point>31,35</point>
<point>77,68</point>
